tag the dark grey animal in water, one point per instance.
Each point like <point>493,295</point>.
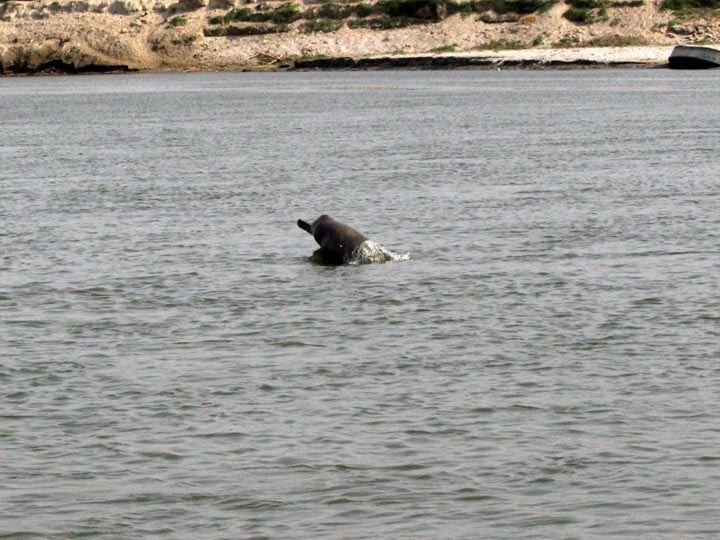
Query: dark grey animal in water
<point>337,240</point>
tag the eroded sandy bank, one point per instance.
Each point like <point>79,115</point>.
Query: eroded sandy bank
<point>73,36</point>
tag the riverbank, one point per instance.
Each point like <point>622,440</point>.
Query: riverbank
<point>578,58</point>
<point>80,36</point>
<point>641,57</point>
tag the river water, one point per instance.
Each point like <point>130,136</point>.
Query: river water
<point>545,365</point>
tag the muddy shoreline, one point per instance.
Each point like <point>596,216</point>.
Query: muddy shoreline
<point>456,62</point>
<point>496,60</point>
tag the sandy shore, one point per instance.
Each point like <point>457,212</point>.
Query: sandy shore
<point>601,55</point>
<point>68,36</point>
<point>523,58</point>
<point>609,57</point>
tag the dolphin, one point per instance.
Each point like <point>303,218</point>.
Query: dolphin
<point>337,241</point>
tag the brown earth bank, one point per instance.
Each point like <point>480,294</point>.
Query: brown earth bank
<point>77,36</point>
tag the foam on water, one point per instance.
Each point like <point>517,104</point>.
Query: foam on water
<point>371,252</point>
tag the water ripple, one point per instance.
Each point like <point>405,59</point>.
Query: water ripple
<point>544,365</point>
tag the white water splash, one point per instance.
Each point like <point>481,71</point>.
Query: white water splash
<point>370,252</point>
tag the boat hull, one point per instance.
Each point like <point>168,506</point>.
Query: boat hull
<point>689,57</point>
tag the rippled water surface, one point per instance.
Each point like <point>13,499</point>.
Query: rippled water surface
<point>545,365</point>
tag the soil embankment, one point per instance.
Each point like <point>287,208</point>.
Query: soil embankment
<point>79,36</point>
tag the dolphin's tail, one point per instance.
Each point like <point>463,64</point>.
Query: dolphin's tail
<point>304,225</point>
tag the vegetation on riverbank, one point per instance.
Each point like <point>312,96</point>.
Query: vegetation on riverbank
<point>389,14</point>
<point>78,35</point>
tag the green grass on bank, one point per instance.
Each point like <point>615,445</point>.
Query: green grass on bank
<point>683,5</point>
<point>387,14</point>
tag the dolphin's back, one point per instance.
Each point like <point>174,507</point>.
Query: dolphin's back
<point>335,236</point>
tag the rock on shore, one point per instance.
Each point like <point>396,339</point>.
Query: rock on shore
<point>76,36</point>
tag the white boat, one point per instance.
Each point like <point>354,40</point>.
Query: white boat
<point>694,57</point>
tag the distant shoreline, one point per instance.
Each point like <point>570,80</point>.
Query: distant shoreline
<point>648,57</point>
<point>577,58</point>
<point>94,36</point>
